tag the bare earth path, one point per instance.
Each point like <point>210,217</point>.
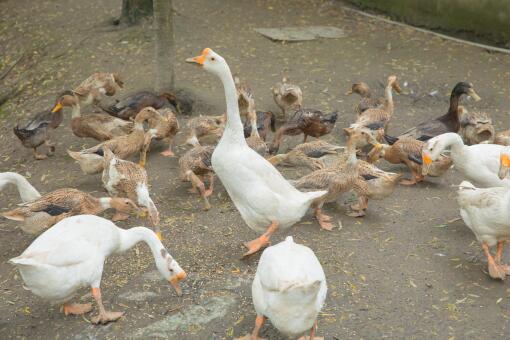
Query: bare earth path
<point>401,272</point>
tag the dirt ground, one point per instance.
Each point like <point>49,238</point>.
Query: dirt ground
<point>403,271</point>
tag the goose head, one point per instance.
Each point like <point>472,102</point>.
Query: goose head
<point>210,61</point>
<point>504,163</point>
<point>170,269</point>
<point>432,150</point>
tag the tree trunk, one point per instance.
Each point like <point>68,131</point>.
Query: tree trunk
<point>135,10</point>
<point>164,45</point>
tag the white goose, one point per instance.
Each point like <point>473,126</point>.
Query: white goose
<point>26,191</point>
<point>264,198</point>
<point>478,163</point>
<point>289,289</point>
<point>71,255</point>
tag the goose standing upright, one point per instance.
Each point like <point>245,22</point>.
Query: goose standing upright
<point>26,191</point>
<point>264,198</point>
<point>71,255</point>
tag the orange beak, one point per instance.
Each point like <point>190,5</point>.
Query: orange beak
<point>348,93</point>
<point>199,59</point>
<point>175,282</point>
<point>505,160</point>
<point>58,106</point>
<point>426,159</point>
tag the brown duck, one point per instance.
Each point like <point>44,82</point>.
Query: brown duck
<point>129,107</point>
<point>194,165</point>
<point>366,100</point>
<point>309,122</point>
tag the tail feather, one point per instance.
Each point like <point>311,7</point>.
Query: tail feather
<point>466,185</point>
<point>14,215</point>
<point>315,195</point>
<point>391,140</point>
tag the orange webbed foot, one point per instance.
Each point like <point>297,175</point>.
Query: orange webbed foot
<point>106,317</point>
<point>255,245</point>
<point>167,153</point>
<point>497,271</point>
<point>77,308</point>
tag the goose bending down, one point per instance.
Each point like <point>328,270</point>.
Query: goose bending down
<point>289,289</point>
<point>264,198</point>
<point>71,256</point>
<point>26,191</point>
<point>478,163</point>
<point>485,211</point>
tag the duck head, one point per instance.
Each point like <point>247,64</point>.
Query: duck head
<point>210,61</point>
<point>65,99</point>
<point>465,88</point>
<point>432,150</point>
<point>360,88</point>
<point>170,270</point>
<point>393,82</point>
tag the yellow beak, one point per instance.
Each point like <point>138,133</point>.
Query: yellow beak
<point>474,95</point>
<point>505,160</point>
<point>58,106</point>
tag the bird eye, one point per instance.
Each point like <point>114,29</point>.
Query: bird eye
<point>213,59</point>
<point>171,270</point>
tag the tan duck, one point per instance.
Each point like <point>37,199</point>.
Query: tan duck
<point>91,159</point>
<point>381,184</point>
<point>126,179</point>
<point>98,84</point>
<point>202,126</point>
<point>163,125</point>
<point>52,207</point>
<point>366,100</point>
<point>101,127</point>
<point>408,151</point>
<point>309,122</point>
<point>306,154</point>
<point>336,180</point>
<point>475,127</point>
<point>378,118</point>
<point>194,165</point>
<point>245,99</point>
<point>129,107</point>
<point>254,141</point>
<point>36,132</point>
<point>287,96</point>
<point>265,121</point>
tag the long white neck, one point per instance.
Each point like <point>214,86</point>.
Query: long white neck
<point>130,237</point>
<point>26,191</point>
<point>234,126</point>
<point>454,142</point>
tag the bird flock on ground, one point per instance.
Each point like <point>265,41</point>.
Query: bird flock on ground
<point>289,287</point>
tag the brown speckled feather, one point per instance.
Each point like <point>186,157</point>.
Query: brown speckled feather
<point>197,160</point>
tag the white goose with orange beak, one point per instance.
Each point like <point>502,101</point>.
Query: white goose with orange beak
<point>479,163</point>
<point>264,198</point>
<point>72,253</point>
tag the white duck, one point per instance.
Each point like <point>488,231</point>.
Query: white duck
<point>486,211</point>
<point>71,255</point>
<point>26,191</point>
<point>478,163</point>
<point>289,289</point>
<point>264,198</point>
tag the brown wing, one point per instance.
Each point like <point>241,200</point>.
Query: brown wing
<point>68,200</point>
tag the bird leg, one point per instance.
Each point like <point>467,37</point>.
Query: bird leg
<point>197,183</point>
<point>259,322</point>
<point>415,178</point>
<point>499,255</point>
<point>209,191</point>
<point>255,245</point>
<point>76,308</point>
<point>495,270</point>
<point>323,219</point>
<point>103,316</point>
<point>312,333</point>
<point>39,156</point>
<point>51,146</point>
<point>304,139</point>
<point>168,152</point>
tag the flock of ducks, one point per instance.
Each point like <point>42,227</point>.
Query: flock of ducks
<point>289,287</point>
